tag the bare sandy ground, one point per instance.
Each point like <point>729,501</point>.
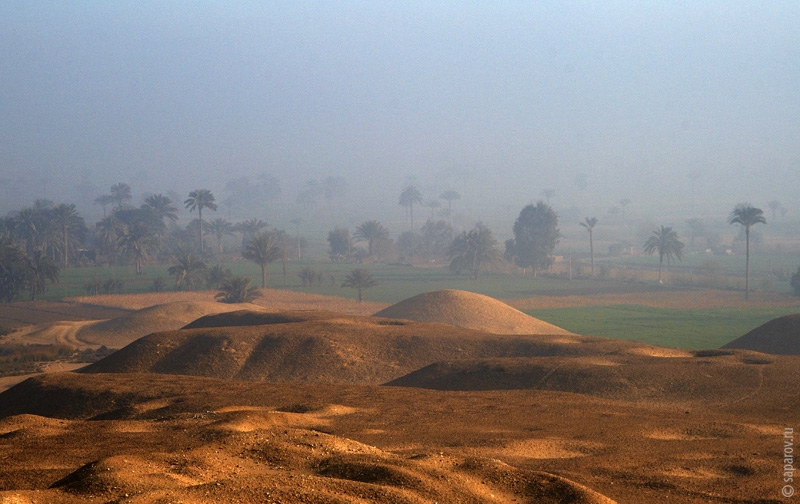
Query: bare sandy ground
<point>289,407</point>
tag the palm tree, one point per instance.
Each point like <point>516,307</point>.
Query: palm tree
<point>200,199</point>
<point>28,226</point>
<point>262,250</point>
<point>249,229</point>
<point>188,271</point>
<point>433,205</point>
<point>104,200</point>
<point>136,240</point>
<point>216,275</point>
<point>120,194</point>
<point>359,279</point>
<point>40,269</point>
<point>450,196</point>
<point>666,242</point>
<point>68,224</point>
<point>371,231</point>
<point>589,224</point>
<point>470,251</point>
<point>408,197</point>
<point>219,227</point>
<point>747,215</point>
<point>162,206</point>
<point>237,290</point>
<point>13,270</point>
<point>774,205</point>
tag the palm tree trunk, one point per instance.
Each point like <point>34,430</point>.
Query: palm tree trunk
<point>660,263</point>
<point>359,294</point>
<point>747,264</point>
<point>591,251</point>
<point>200,216</point>
<point>263,276</point>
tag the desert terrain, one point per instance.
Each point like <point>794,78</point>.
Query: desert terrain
<point>448,397</point>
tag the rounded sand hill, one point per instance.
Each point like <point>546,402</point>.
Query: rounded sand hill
<point>780,336</point>
<point>469,310</point>
<point>324,347</point>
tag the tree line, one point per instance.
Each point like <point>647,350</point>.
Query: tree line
<point>38,241</point>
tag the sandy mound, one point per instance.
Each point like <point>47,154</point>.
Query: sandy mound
<point>780,336</point>
<point>309,346</point>
<point>125,328</point>
<point>707,377</point>
<point>167,438</point>
<point>469,310</point>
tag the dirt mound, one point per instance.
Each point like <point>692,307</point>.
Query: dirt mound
<point>706,377</point>
<point>125,328</point>
<point>780,336</point>
<point>469,310</point>
<point>120,331</point>
<point>167,438</point>
<point>240,318</point>
<point>308,346</point>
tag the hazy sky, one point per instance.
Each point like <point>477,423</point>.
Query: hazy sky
<point>499,100</point>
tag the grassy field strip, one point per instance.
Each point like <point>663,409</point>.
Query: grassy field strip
<point>675,328</point>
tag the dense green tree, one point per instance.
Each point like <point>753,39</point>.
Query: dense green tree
<point>435,236</point>
<point>263,249</point>
<point>237,290</point>
<point>219,228</point>
<point>589,223</point>
<point>747,215</point>
<point>371,231</point>
<point>535,237</point>
<point>340,244</point>
<point>359,279</point>
<point>41,269</point>
<point>408,198</point>
<point>200,199</point>
<point>188,271</point>
<point>472,251</point>
<point>665,241</point>
<point>13,270</point>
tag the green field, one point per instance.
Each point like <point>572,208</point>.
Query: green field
<point>701,328</point>
<point>706,328</point>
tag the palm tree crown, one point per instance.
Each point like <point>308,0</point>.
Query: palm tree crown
<point>747,215</point>
<point>359,279</point>
<point>665,241</point>
<point>200,199</point>
<point>237,290</point>
<point>371,231</point>
<point>470,251</point>
<point>162,206</point>
<point>262,250</point>
<point>408,197</point>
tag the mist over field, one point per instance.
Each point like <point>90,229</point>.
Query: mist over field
<point>683,108</point>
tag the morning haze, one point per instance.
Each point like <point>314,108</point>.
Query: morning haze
<point>683,108</point>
